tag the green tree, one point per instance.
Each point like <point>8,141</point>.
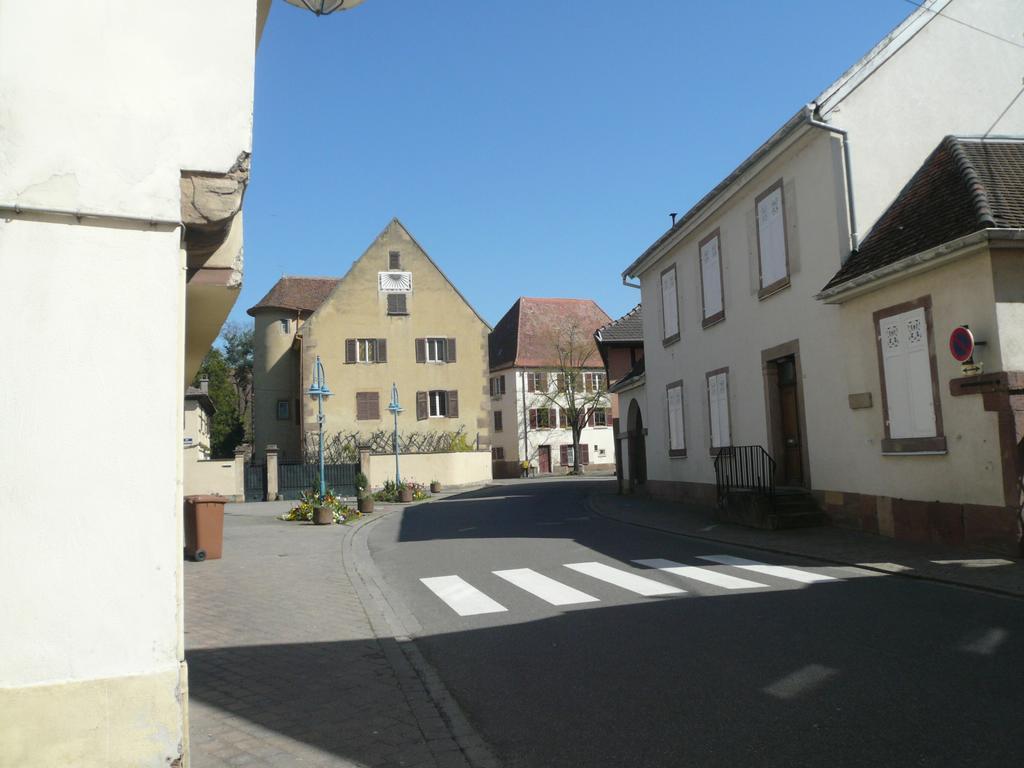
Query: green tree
<point>227,430</point>
<point>238,351</point>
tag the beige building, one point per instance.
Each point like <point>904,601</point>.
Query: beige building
<point>394,318</point>
<point>741,360</point>
<point>199,410</point>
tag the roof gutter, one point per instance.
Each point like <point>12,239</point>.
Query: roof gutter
<point>817,122</point>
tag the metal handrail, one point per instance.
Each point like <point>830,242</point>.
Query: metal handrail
<point>744,466</point>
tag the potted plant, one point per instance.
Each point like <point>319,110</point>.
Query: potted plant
<point>364,497</point>
<point>406,493</point>
<point>435,486</point>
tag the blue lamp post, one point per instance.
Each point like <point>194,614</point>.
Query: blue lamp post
<point>396,409</point>
<point>318,389</point>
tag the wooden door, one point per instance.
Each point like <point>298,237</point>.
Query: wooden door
<point>789,406</point>
<point>544,459</point>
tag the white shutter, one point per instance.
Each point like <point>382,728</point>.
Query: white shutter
<point>718,407</point>
<point>771,238</point>
<point>908,375</point>
<point>710,270</point>
<point>669,304</point>
<point>676,439</point>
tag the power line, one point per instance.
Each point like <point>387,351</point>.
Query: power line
<point>965,24</point>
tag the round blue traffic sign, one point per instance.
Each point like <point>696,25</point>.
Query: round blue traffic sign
<point>961,344</point>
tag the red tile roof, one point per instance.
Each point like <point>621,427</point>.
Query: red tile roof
<point>305,294</point>
<point>523,337</point>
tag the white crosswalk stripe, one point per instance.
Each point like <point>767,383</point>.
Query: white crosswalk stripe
<point>462,597</point>
<point>547,589</point>
<point>705,575</point>
<point>630,581</point>
<point>779,571</point>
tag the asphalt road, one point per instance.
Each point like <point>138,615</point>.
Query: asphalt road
<point>744,666</point>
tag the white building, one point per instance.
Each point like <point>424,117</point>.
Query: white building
<point>740,351</point>
<point>528,418</point>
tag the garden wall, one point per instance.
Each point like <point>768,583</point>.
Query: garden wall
<point>219,476</point>
<point>451,469</point>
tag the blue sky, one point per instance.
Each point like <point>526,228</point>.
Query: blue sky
<point>533,148</point>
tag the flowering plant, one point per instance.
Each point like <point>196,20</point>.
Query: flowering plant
<point>311,500</point>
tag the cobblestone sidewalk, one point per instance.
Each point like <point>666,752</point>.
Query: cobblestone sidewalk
<point>839,545</point>
<point>284,666</point>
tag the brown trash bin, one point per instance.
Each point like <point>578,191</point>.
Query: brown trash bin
<point>204,527</point>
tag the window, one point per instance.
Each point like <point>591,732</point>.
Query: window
<point>498,453</point>
<point>718,408</point>
<point>366,350</point>
<point>367,406</point>
<point>594,382</point>
<point>771,240</point>
<point>394,260</point>
<point>435,350</point>
<point>566,453</point>
<point>536,382</point>
<point>543,418</point>
<point>497,385</point>
<point>910,398</point>
<point>712,289</point>
<point>676,436</point>
<point>437,403</point>
<point>559,381</point>
<point>285,324</point>
<point>497,421</point>
<point>669,306</point>
<point>397,304</point>
<point>600,417</point>
<point>283,412</point>
<point>563,418</point>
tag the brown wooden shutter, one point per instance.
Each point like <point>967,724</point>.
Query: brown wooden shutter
<point>502,387</point>
<point>563,455</point>
<point>584,454</point>
<point>453,404</point>
<point>543,386</point>
<point>421,350</point>
<point>497,421</point>
<point>552,418</point>
<point>590,419</point>
<point>529,383</point>
<point>360,406</point>
<point>382,350</point>
<point>397,304</point>
<point>394,260</point>
<point>350,350</point>
<point>451,350</point>
<point>373,405</point>
<point>422,411</point>
<point>533,418</point>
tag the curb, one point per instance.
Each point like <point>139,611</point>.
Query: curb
<point>592,506</point>
<point>444,726</point>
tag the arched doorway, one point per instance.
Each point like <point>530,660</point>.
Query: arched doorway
<point>637,445</point>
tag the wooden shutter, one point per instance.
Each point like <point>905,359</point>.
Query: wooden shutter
<point>490,384</point>
<point>669,303</point>
<point>718,405</point>
<point>552,418</point>
<point>382,350</point>
<point>422,411</point>
<point>453,404</point>
<point>451,350</point>
<point>497,421</point>
<point>394,260</point>
<point>563,455</point>
<point>421,350</point>
<point>533,418</point>
<point>361,406</point>
<point>590,419</point>
<point>350,350</point>
<point>908,375</point>
<point>530,385</point>
<point>771,237</point>
<point>397,304</point>
<point>711,277</point>
<point>676,435</point>
<point>502,385</point>
<point>584,454</point>
<point>373,405</point>
<point>542,385</point>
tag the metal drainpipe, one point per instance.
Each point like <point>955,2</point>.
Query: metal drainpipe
<point>79,215</point>
<point>526,420</point>
<point>854,236</point>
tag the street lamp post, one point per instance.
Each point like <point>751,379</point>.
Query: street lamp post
<point>318,389</point>
<point>395,409</point>
<point>324,7</point>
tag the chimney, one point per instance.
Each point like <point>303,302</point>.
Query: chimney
<point>673,215</point>
<point>204,384</point>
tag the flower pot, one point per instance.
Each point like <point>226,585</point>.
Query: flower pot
<point>323,516</point>
<point>435,487</point>
<point>406,494</point>
<point>365,504</point>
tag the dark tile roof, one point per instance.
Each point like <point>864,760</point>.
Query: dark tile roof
<point>522,337</point>
<point>635,374</point>
<point>203,398</point>
<point>965,185</point>
<point>627,329</point>
<point>303,294</point>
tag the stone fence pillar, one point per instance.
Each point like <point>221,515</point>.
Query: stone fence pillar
<point>239,472</point>
<point>272,494</point>
<point>364,464</point>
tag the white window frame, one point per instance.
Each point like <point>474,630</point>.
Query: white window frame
<point>772,245</point>
<point>437,403</point>
<point>366,350</point>
<point>286,325</point>
<point>712,280</point>
<point>669,285</point>
<point>433,346</point>
<point>676,423</point>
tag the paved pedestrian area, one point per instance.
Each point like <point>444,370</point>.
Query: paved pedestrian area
<point>837,545</point>
<point>284,665</point>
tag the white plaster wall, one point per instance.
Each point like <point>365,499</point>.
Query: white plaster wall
<point>511,436</point>
<point>216,476</point>
<point>947,79</point>
<point>90,545</point>
<point>450,469</point>
<point>104,103</point>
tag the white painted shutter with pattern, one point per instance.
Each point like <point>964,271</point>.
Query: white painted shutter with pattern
<point>676,438</point>
<point>718,405</point>
<point>908,375</point>
<point>771,238</point>
<point>710,270</point>
<point>669,304</point>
